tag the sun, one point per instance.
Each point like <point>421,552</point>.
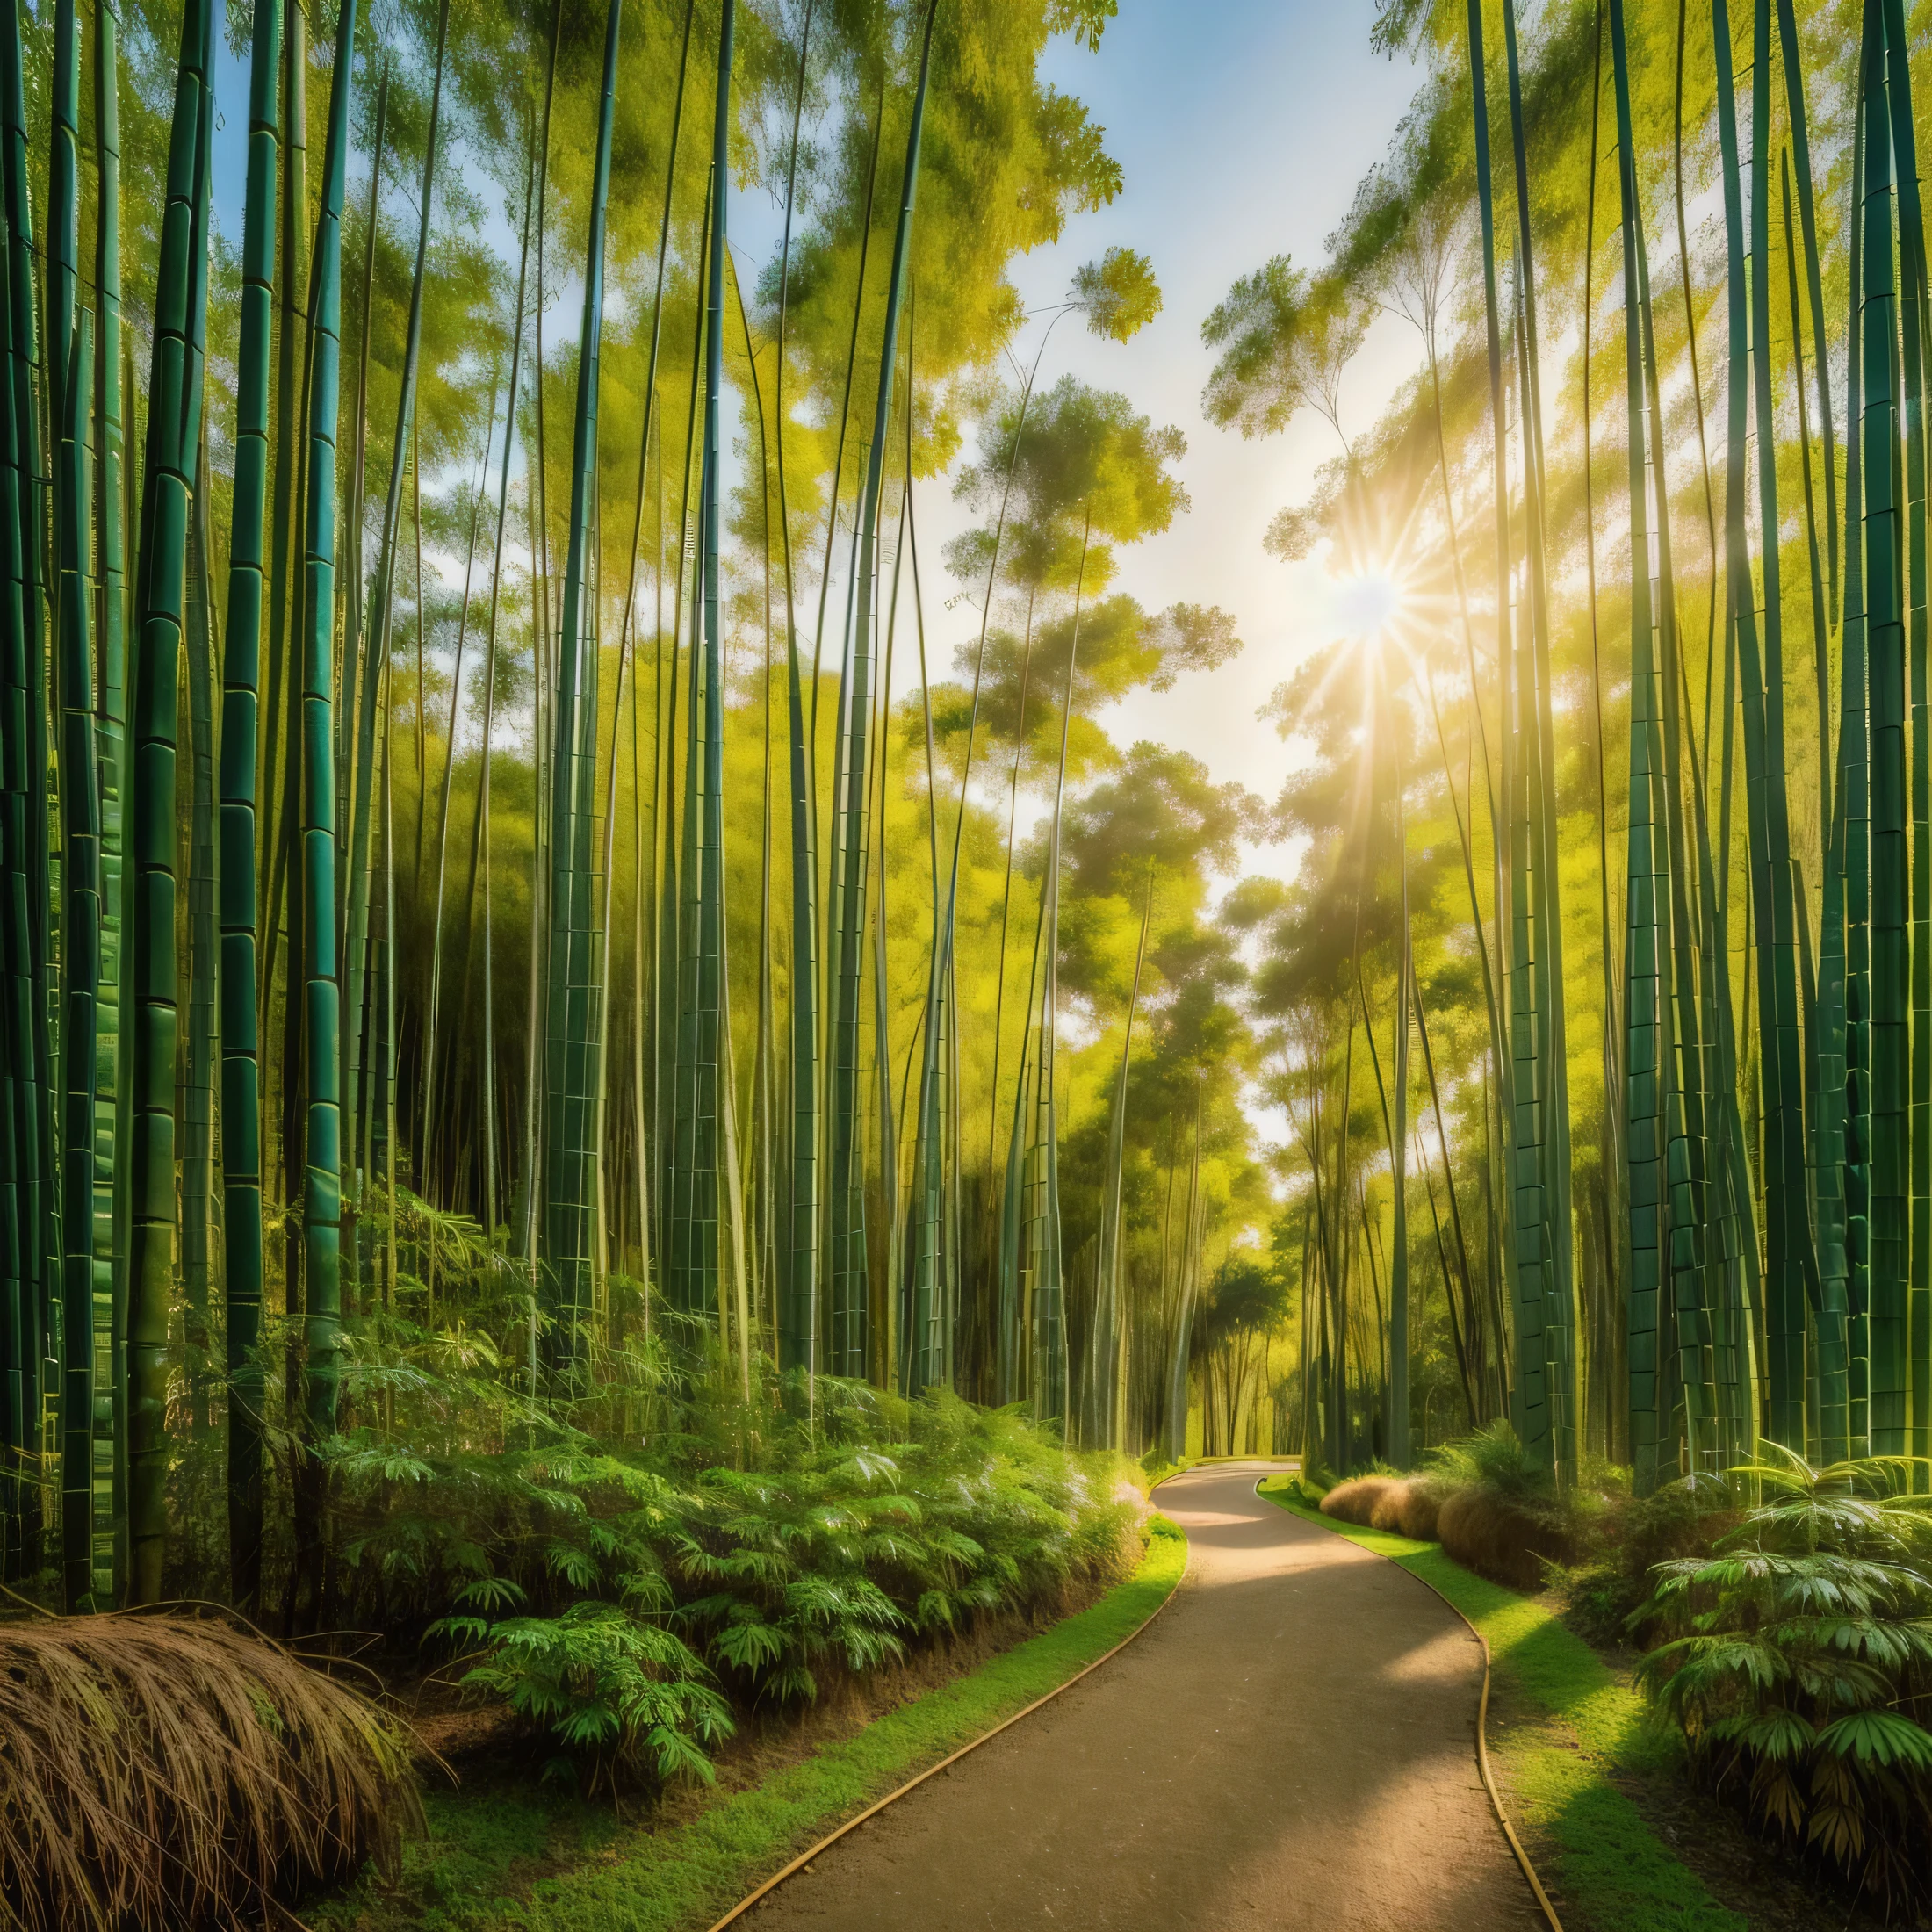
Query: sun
<point>1389,600</point>
<point>1370,604</point>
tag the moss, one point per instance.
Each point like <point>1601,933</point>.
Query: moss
<point>1583,1729</point>
<point>531,1860</point>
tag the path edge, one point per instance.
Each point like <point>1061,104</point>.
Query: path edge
<point>851,1825</point>
<point>1483,1725</point>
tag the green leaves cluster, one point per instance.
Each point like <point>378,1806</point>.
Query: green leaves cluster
<point>1798,1663</point>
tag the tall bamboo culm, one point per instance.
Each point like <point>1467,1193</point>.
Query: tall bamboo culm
<point>168,466</point>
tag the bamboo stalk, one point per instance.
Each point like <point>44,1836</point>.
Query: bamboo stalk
<point>80,930</point>
<point>113,1022</point>
<point>569,1189</point>
<point>242,677</point>
<point>320,1002</point>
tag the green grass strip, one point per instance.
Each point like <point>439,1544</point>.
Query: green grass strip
<point>1607,1866</point>
<point>475,1870</point>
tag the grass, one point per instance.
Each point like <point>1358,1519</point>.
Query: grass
<point>530,1859</point>
<point>1595,1851</point>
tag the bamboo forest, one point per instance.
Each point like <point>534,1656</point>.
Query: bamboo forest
<point>845,843</point>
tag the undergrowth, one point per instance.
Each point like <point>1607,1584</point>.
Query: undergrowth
<point>509,1858</point>
<point>1798,1664</point>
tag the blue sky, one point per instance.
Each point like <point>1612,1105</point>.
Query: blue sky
<point>1243,128</point>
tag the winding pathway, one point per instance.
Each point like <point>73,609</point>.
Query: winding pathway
<point>1290,1745</point>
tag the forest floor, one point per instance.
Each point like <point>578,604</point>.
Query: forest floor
<point>1290,1745</point>
<point>504,1850</point>
<point>1620,1838</point>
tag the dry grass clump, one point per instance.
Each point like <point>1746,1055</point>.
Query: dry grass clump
<point>1500,1537</point>
<point>1355,1500</point>
<point>171,1772</point>
<point>1410,1508</point>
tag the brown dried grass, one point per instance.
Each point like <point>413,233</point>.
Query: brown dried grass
<point>1355,1500</point>
<point>172,1772</point>
<point>1410,1508</point>
<point>1499,1538</point>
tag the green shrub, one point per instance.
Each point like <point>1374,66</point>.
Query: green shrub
<point>1606,1590</point>
<point>617,1690</point>
<point>626,1603</point>
<point>1798,1663</point>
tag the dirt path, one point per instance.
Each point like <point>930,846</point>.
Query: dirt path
<point>1290,1745</point>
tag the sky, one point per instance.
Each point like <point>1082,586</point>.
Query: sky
<point>1243,128</point>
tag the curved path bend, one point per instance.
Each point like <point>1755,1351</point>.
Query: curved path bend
<point>1290,1745</point>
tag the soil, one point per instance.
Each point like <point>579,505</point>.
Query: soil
<point>1209,1776</point>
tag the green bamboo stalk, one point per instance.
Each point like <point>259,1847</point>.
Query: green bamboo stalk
<point>292,378</point>
<point>931,1281</point>
<point>1106,1340</point>
<point>887,1347</point>
<point>195,1104</point>
<point>1854,795</point>
<point>1826,1052</point>
<point>382,601</point>
<point>1794,95</point>
<point>537,505</point>
<point>355,620</point>
<point>677,806</point>
<point>1791,1269</point>
<point>80,932</point>
<point>848,1310</point>
<point>241,682</point>
<point>1533,1401</point>
<point>426,1162</point>
<point>173,412</point>
<point>113,1025</point>
<point>1694,1346</point>
<point>1886,647</point>
<point>763,1081</point>
<point>17,1065</point>
<point>283,798</point>
<point>569,1177</point>
<point>321,1123</point>
<point>1913,304</point>
<point>36,1074</point>
<point>1035,1296</point>
<point>1540,827</point>
<point>479,837</point>
<point>80,915</point>
<point>1175,1413</point>
<point>1398,1273</point>
<point>627,639</point>
<point>798,1324</point>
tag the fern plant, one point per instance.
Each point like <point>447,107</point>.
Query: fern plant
<point>620,1692</point>
<point>1798,1664</point>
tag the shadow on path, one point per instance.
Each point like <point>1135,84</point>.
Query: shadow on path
<point>1292,1744</point>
